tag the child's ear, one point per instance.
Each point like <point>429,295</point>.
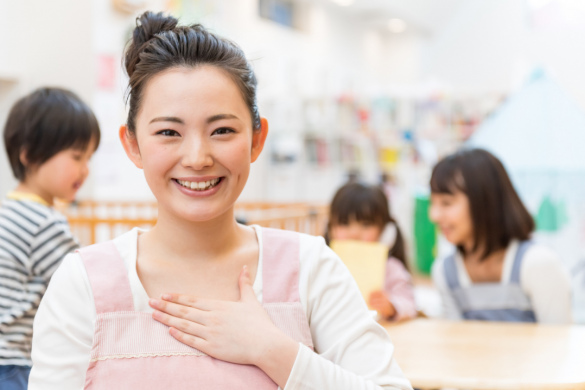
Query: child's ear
<point>130,144</point>
<point>259,138</point>
<point>23,158</point>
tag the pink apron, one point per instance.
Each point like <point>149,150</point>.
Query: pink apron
<point>132,351</point>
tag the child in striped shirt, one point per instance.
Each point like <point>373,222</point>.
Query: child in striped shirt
<point>49,136</point>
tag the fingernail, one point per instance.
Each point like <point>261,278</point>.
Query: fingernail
<point>166,297</point>
<point>153,302</point>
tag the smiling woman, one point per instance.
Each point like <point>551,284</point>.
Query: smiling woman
<point>240,307</point>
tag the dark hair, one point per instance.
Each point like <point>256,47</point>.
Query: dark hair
<point>364,204</point>
<point>158,44</point>
<point>44,123</point>
<point>497,213</point>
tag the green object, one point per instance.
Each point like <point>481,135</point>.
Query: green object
<point>562,215</point>
<point>547,219</point>
<point>425,235</point>
<point>551,217</point>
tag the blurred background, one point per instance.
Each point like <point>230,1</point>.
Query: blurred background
<point>374,89</point>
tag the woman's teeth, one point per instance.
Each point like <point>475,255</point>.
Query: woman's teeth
<point>199,185</point>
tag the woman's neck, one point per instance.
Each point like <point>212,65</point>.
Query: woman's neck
<point>477,255</point>
<point>182,239</point>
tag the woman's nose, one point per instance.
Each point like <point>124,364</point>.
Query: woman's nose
<point>196,154</point>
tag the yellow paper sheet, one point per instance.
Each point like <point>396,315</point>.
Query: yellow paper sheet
<point>366,261</point>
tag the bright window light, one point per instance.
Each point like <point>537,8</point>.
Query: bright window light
<point>343,3</point>
<point>397,25</point>
<point>538,3</point>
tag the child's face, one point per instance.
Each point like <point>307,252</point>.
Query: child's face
<point>62,175</point>
<point>355,230</point>
<point>452,215</point>
<point>194,141</point>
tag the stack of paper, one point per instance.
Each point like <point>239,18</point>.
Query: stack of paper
<point>366,261</point>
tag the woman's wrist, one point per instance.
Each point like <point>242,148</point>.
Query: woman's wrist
<point>277,358</point>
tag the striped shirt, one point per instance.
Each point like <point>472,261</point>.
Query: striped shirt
<point>34,238</point>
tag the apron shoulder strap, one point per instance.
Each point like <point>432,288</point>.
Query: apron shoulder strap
<point>280,265</point>
<point>108,278</point>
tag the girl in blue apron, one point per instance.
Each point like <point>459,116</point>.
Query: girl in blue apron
<point>497,273</point>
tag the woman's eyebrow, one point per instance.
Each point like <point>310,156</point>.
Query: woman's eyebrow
<point>167,119</point>
<point>219,117</point>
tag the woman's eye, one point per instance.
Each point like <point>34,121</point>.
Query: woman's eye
<point>168,133</point>
<point>223,130</point>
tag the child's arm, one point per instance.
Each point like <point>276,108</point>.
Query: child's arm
<point>398,291</point>
<point>547,283</point>
<point>52,242</point>
<point>63,330</point>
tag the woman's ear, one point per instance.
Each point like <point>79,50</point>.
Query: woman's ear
<point>259,138</point>
<point>130,144</point>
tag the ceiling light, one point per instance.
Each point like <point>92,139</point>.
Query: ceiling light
<point>397,25</point>
<point>343,3</point>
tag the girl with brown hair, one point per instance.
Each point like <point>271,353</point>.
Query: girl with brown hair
<point>360,212</point>
<point>497,273</point>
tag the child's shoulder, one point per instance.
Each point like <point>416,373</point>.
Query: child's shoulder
<point>540,258</point>
<point>29,214</point>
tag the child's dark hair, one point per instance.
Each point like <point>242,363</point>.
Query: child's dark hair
<point>368,205</point>
<point>44,123</point>
<point>158,44</point>
<point>497,213</point>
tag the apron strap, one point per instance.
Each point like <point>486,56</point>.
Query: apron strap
<point>108,278</point>
<point>280,266</point>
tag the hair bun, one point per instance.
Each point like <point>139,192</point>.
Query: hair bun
<point>147,26</point>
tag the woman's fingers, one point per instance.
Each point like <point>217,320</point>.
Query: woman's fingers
<point>188,339</point>
<point>178,310</point>
<point>192,301</point>
<point>184,325</point>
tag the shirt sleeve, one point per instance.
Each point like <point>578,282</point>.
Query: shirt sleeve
<point>398,289</point>
<point>547,283</point>
<point>63,330</point>
<point>450,309</point>
<point>352,351</point>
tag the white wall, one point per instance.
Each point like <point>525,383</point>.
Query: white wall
<point>327,59</point>
<point>43,43</point>
<point>59,43</point>
<point>491,45</point>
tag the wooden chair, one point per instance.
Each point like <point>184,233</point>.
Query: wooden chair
<point>95,221</point>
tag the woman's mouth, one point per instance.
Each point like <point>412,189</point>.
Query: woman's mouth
<point>199,185</point>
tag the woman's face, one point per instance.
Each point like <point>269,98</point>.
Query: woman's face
<point>194,141</point>
<point>452,215</point>
<point>355,230</point>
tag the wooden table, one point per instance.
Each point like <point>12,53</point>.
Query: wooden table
<point>490,355</point>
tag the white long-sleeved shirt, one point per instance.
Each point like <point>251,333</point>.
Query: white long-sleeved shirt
<point>542,278</point>
<point>352,351</point>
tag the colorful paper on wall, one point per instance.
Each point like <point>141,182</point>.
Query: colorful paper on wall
<point>366,261</point>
